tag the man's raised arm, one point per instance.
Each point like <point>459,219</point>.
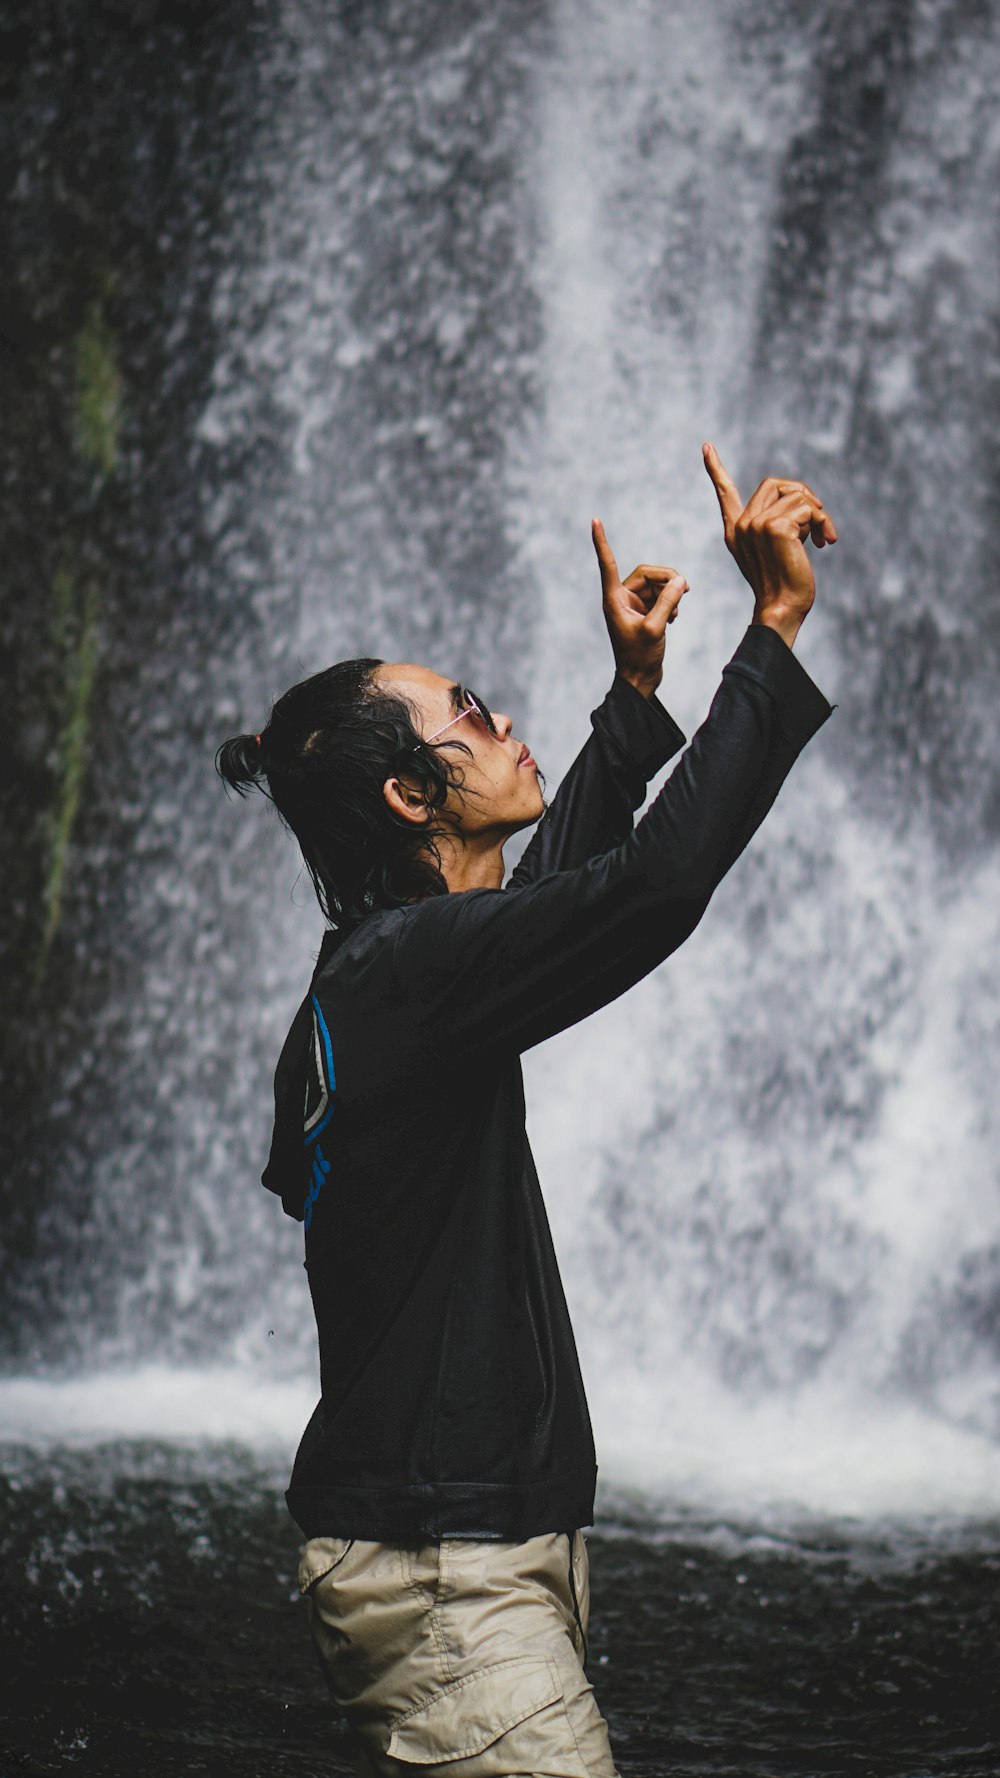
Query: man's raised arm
<point>633,737</point>
<point>633,734</point>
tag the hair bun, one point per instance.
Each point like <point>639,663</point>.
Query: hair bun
<point>239,763</point>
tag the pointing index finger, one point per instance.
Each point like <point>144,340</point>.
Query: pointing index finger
<point>729,495</point>
<point>609,567</point>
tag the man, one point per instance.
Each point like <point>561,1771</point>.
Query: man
<point>446,1473</point>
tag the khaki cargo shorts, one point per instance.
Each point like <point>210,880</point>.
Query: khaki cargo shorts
<point>463,1657</point>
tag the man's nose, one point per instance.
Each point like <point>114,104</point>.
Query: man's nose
<point>502,723</point>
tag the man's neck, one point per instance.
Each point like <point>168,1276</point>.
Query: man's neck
<point>465,866</point>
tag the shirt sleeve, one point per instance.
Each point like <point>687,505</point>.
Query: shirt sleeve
<point>488,970</point>
<point>632,739</point>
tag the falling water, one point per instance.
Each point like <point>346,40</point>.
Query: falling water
<point>428,291</point>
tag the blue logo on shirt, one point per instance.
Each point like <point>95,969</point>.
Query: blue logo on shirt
<point>321,1084</point>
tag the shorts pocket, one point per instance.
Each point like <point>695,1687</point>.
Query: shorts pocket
<point>470,1714</point>
<point>320,1557</point>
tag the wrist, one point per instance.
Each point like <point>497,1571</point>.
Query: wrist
<point>646,684</point>
<point>786,621</point>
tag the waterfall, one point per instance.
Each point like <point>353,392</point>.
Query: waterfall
<point>473,278</point>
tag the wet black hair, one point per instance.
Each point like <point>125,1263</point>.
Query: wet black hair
<point>322,759</point>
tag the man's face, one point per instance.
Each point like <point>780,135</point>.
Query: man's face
<point>501,789</point>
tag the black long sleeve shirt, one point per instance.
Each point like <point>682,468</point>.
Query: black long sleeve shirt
<point>452,1402</point>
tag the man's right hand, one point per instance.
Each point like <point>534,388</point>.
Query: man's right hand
<point>767,537</point>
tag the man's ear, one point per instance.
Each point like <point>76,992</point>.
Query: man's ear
<point>406,801</point>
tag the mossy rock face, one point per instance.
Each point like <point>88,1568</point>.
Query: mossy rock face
<point>98,394</point>
<point>81,666</point>
<point>97,419</point>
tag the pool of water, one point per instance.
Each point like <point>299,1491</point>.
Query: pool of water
<point>150,1624</point>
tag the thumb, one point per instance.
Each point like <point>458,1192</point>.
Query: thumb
<point>609,567</point>
<point>667,601</point>
<point>730,503</point>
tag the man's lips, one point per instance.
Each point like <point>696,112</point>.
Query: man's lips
<point>526,759</point>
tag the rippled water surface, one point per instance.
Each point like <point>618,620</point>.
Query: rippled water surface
<point>150,1625</point>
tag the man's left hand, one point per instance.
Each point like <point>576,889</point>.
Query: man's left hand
<point>637,611</point>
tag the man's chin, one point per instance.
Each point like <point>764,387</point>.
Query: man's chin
<point>536,815</point>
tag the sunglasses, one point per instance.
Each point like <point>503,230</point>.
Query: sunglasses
<point>473,706</point>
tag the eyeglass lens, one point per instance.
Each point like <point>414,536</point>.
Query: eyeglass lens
<point>480,708</point>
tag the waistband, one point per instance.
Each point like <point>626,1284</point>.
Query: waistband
<point>425,1512</point>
